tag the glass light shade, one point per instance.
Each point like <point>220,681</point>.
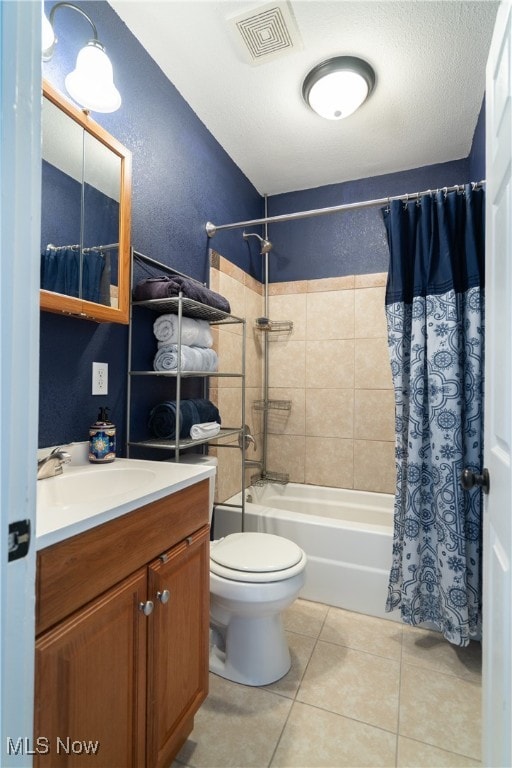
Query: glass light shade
<point>91,84</point>
<point>47,38</point>
<point>338,95</point>
<point>337,87</point>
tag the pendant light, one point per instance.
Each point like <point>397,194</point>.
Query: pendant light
<point>337,87</point>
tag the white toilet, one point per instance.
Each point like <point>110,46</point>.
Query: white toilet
<point>254,577</point>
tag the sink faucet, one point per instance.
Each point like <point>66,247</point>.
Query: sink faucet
<point>51,465</point>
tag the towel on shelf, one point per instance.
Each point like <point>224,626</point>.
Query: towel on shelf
<point>194,333</point>
<point>192,358</point>
<point>162,418</point>
<point>206,430</point>
<point>164,287</point>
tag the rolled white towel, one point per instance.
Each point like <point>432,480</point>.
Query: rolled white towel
<point>205,430</point>
<point>192,358</point>
<point>194,333</point>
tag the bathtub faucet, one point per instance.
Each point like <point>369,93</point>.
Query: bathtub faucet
<point>245,437</point>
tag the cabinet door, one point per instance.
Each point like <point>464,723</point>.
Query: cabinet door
<point>177,645</point>
<point>90,683</point>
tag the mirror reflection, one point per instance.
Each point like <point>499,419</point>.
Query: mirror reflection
<point>83,181</point>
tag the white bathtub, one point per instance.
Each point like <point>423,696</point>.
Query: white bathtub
<point>347,536</point>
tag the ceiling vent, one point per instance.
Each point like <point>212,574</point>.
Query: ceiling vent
<point>266,32</point>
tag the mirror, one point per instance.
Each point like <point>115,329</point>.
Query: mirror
<point>85,221</point>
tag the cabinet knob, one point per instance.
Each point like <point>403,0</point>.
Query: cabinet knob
<point>163,596</point>
<point>146,607</point>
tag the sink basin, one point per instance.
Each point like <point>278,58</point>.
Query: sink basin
<point>93,486</point>
<point>86,495</point>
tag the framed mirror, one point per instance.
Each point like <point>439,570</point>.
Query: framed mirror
<point>85,215</point>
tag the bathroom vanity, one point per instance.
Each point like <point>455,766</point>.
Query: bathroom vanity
<point>122,635</point>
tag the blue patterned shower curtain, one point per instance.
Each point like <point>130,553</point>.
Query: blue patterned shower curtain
<point>435,318</point>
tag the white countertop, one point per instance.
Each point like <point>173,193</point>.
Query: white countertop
<point>57,520</point>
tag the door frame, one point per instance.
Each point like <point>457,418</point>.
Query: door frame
<point>20,188</point>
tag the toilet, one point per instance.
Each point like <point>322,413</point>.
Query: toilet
<point>254,577</point>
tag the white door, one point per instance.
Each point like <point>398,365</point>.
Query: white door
<point>497,592</point>
<point>20,212</point>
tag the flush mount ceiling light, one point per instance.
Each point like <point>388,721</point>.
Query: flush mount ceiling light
<point>337,87</point>
<point>91,84</point>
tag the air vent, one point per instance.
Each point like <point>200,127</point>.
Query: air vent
<point>266,32</point>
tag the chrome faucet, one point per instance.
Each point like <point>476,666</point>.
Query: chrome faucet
<point>52,464</point>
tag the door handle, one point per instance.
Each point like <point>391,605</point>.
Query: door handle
<point>469,479</point>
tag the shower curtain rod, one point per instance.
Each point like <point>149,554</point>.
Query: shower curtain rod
<point>212,229</point>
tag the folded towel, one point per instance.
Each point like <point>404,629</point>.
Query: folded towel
<point>192,358</point>
<point>206,430</point>
<point>164,287</point>
<point>194,333</point>
<point>162,418</point>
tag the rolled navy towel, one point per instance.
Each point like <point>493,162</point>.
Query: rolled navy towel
<point>162,418</point>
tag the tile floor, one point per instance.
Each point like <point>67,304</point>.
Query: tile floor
<point>361,692</point>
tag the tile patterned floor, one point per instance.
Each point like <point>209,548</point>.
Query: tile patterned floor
<point>362,692</point>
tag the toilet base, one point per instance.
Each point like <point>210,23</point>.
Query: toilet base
<point>255,650</point>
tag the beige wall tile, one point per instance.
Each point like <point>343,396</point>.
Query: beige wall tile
<point>287,363</point>
<point>374,414</point>
<point>329,461</point>
<point>330,315</point>
<point>233,290</point>
<point>331,284</point>
<point>372,365</point>
<point>330,412</point>
<point>229,403</point>
<point>374,466</point>
<point>297,286</point>
<point>330,364</point>
<point>229,350</point>
<point>371,281</point>
<point>369,313</point>
<point>286,453</point>
<point>290,307</point>
<point>290,422</point>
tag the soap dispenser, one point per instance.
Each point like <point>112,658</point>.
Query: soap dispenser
<point>102,439</point>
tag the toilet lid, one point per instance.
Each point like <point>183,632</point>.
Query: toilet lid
<point>255,552</point>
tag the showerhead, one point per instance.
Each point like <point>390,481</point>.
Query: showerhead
<point>266,245</point>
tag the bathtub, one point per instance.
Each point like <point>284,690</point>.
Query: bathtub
<point>347,536</point>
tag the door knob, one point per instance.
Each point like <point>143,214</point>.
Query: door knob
<point>469,479</point>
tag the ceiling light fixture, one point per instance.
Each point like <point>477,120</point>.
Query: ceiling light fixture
<point>337,87</point>
<point>91,84</point>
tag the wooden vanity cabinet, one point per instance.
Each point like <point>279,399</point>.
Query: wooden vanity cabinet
<point>112,670</point>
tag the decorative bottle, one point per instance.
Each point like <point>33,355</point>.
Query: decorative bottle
<point>102,439</point>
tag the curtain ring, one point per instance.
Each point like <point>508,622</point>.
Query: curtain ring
<point>445,192</point>
<point>406,202</point>
<point>388,206</point>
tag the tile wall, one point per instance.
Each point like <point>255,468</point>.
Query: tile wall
<point>334,369</point>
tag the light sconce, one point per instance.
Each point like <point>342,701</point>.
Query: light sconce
<point>337,87</point>
<point>91,84</point>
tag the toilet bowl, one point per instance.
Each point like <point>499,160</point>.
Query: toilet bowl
<point>254,577</point>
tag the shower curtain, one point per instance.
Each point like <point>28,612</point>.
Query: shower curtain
<point>435,320</point>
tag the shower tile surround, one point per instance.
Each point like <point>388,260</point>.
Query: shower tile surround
<point>333,367</point>
<point>361,691</point>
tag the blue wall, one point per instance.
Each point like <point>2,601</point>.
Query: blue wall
<point>181,178</point>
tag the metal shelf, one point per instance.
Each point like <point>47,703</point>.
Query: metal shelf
<point>268,405</point>
<point>189,374</point>
<point>184,443</point>
<point>189,308</point>
<point>275,326</point>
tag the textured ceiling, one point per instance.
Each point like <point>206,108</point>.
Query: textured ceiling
<point>429,58</point>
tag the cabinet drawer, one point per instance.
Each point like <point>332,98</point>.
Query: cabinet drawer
<point>73,572</point>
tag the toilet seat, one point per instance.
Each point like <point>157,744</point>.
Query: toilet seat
<point>256,557</point>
